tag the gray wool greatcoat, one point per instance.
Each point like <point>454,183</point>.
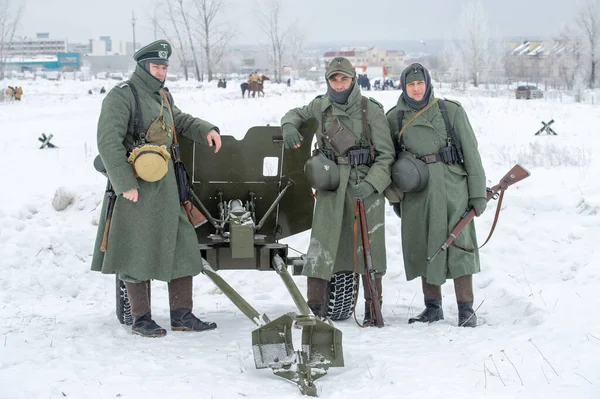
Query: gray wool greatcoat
<point>428,216</point>
<point>152,238</point>
<point>331,247</point>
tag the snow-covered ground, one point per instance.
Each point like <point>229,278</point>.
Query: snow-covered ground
<point>539,333</point>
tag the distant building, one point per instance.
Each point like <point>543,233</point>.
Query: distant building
<point>539,61</point>
<point>41,45</point>
<point>364,57</point>
<point>62,62</point>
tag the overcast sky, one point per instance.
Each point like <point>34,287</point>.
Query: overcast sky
<point>321,20</point>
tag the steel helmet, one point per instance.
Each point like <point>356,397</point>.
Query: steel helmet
<point>321,172</point>
<point>409,174</point>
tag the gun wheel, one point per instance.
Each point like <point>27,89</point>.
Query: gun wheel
<point>343,291</point>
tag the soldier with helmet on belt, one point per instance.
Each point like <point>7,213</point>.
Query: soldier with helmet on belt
<point>150,236</point>
<point>339,184</point>
<point>437,176</point>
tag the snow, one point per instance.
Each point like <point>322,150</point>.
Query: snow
<point>538,333</point>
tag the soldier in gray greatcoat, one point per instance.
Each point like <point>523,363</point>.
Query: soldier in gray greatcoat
<point>332,247</point>
<point>456,182</point>
<point>150,236</point>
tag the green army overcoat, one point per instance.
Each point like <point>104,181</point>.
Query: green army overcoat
<point>331,247</point>
<point>153,238</point>
<point>428,216</point>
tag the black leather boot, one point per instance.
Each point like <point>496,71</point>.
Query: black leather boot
<point>146,327</point>
<point>317,294</point>
<point>433,312</point>
<point>367,320</point>
<point>184,320</point>
<point>466,315</point>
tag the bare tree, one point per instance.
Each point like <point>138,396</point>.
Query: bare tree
<point>570,58</point>
<point>171,31</point>
<point>588,21</point>
<point>269,18</point>
<point>474,43</point>
<point>9,21</point>
<point>188,28</point>
<point>296,46</point>
<point>214,37</point>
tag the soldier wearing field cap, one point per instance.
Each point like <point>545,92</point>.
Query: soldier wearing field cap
<point>332,245</point>
<point>150,236</point>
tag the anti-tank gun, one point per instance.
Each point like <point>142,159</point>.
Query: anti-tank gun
<point>254,194</point>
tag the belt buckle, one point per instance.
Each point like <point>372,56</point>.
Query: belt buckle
<point>341,160</point>
<point>429,158</point>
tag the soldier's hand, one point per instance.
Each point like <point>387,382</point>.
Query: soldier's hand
<point>291,136</point>
<point>131,195</point>
<point>397,209</point>
<point>479,203</point>
<point>362,190</point>
<point>214,138</point>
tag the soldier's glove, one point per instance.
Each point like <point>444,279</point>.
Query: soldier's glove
<point>479,203</point>
<point>291,136</point>
<point>362,190</point>
<point>397,210</point>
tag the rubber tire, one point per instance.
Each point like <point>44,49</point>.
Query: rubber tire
<point>343,293</point>
<point>123,309</point>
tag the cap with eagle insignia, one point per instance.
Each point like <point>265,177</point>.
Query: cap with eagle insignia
<point>157,52</point>
<point>340,65</point>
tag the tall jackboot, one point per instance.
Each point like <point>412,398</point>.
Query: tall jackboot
<point>463,287</point>
<point>181,303</point>
<point>139,299</point>
<point>317,293</point>
<point>369,318</point>
<point>433,304</point>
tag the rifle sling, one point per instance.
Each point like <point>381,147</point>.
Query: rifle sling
<point>498,207</point>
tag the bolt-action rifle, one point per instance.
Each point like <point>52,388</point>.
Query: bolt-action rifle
<point>515,175</point>
<point>369,271</point>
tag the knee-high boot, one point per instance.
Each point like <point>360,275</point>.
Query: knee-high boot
<point>139,298</point>
<point>317,293</point>
<point>368,318</point>
<point>463,287</point>
<point>432,295</point>
<point>181,303</point>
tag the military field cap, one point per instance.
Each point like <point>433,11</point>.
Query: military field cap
<point>157,52</point>
<point>415,72</point>
<point>150,162</point>
<point>340,65</point>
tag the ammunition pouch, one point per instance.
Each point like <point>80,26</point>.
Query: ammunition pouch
<point>339,137</point>
<point>361,156</point>
<point>356,156</point>
<point>450,155</point>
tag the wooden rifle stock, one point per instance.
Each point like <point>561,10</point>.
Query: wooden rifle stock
<point>112,198</point>
<point>515,175</point>
<point>369,271</point>
<point>196,217</point>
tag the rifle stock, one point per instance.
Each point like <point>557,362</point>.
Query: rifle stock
<point>196,217</point>
<point>514,175</point>
<point>369,271</point>
<point>112,197</point>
